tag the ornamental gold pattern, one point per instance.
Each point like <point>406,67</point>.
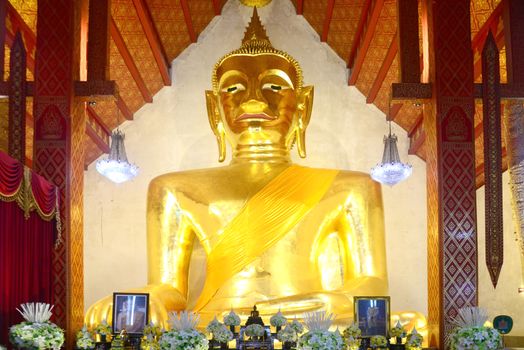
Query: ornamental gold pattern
<point>256,42</point>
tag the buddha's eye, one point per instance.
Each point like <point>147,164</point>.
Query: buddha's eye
<point>274,87</point>
<point>234,88</point>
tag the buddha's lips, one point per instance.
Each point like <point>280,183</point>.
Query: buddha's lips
<point>259,116</point>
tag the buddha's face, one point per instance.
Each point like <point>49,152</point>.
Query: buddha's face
<point>257,99</point>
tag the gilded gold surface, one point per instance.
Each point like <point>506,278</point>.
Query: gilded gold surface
<point>255,3</point>
<point>261,230</point>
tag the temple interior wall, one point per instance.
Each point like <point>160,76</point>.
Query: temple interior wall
<point>173,134</point>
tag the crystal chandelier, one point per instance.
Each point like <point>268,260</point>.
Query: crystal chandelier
<point>391,170</point>
<point>116,167</point>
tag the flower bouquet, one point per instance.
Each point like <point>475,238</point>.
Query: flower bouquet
<point>84,339</point>
<point>152,333</point>
<point>232,320</point>
<point>213,325</point>
<point>378,341</point>
<point>254,330</point>
<point>287,335</point>
<point>297,327</point>
<point>183,335</point>
<point>398,332</point>
<point>414,340</point>
<point>470,332</point>
<point>36,332</point>
<point>103,330</point>
<point>278,320</point>
<point>351,336</point>
<point>222,335</point>
<point>318,336</point>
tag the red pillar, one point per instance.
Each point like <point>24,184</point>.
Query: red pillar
<point>58,150</point>
<point>449,126</point>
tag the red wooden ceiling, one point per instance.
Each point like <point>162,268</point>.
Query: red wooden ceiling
<point>150,33</point>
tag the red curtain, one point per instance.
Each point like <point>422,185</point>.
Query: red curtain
<point>26,240</point>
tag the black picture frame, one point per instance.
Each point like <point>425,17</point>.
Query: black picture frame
<point>130,312</point>
<point>372,315</point>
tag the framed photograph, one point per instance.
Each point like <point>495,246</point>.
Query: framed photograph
<point>372,315</point>
<point>130,312</point>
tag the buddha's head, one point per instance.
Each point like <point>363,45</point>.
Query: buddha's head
<point>258,102</point>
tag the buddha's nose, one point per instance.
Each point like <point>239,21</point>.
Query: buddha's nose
<point>253,106</point>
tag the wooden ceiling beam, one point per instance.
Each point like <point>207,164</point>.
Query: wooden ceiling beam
<point>364,14</point>
<point>124,109</point>
<point>97,130</point>
<point>368,36</point>
<point>216,7</point>
<point>300,7</point>
<point>19,24</point>
<point>327,20</point>
<point>130,63</point>
<point>416,135</point>
<point>394,109</point>
<point>153,38</point>
<point>189,21</point>
<point>98,40</point>
<point>408,41</point>
<point>383,71</point>
<point>477,43</point>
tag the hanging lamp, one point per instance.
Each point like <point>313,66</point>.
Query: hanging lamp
<point>116,167</point>
<point>391,170</point>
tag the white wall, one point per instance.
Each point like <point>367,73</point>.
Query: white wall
<point>172,134</point>
<point>504,299</point>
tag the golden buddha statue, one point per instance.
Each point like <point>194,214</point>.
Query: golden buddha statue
<point>275,234</point>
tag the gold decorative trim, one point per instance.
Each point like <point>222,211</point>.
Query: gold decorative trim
<point>25,199</point>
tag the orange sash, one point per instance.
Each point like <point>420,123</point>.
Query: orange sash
<point>265,219</point>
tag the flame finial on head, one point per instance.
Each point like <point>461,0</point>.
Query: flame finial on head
<point>256,42</point>
<point>255,31</point>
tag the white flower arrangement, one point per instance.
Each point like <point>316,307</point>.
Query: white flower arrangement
<point>213,325</point>
<point>378,341</point>
<point>103,328</point>
<point>254,330</point>
<point>297,326</point>
<point>320,340</point>
<point>278,320</point>
<point>318,336</point>
<point>288,334</point>
<point>84,339</point>
<point>398,331</point>
<point>414,340</point>
<point>183,335</point>
<point>470,332</point>
<point>183,340</point>
<point>222,335</point>
<point>36,332</point>
<point>232,319</point>
<point>2,347</point>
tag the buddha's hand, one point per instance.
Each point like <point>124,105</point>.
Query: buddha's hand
<point>162,299</point>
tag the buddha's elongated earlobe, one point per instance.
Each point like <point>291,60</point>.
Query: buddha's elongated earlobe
<point>300,138</point>
<point>216,124</point>
<point>221,140</point>
<point>305,107</point>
